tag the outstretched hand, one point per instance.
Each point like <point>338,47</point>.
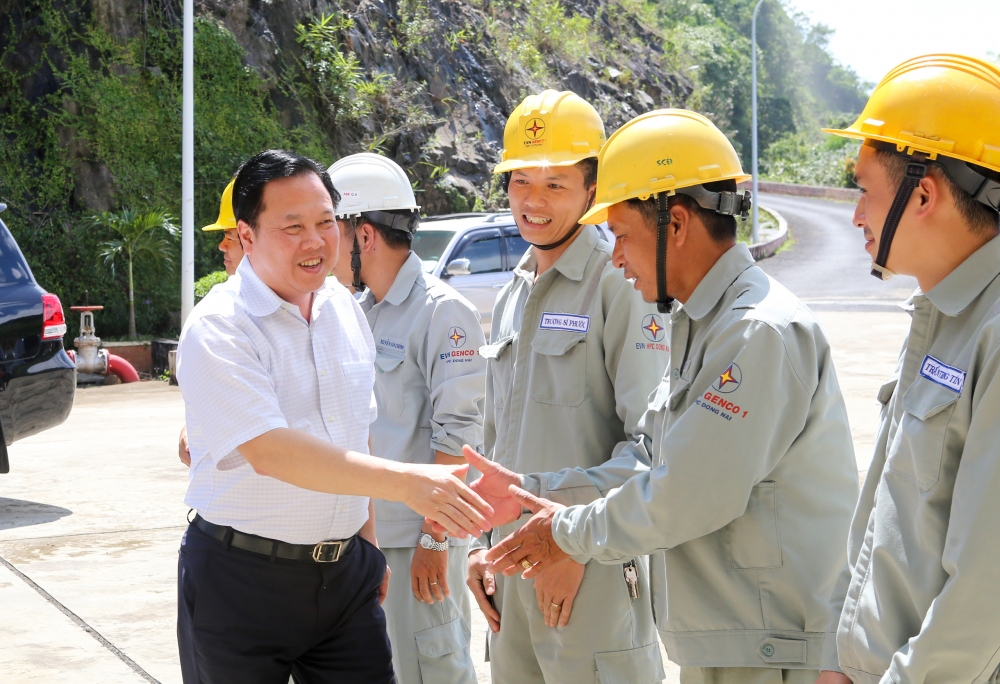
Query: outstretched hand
<point>494,486</point>
<point>438,493</point>
<point>530,550</point>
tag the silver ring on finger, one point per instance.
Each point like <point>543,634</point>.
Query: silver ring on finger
<point>433,583</point>
<point>556,605</point>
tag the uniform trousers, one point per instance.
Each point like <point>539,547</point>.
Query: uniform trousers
<point>243,619</point>
<point>430,642</point>
<point>746,675</point>
<point>610,637</point>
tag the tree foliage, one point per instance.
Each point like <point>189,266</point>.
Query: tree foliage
<point>147,239</point>
<point>801,88</point>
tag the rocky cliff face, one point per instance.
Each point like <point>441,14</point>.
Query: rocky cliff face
<point>447,73</point>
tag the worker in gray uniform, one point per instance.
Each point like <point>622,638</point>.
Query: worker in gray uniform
<point>429,385</point>
<point>574,353</point>
<point>924,598</point>
<point>747,510</point>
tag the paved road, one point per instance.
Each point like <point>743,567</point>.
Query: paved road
<point>827,265</point>
<point>91,513</point>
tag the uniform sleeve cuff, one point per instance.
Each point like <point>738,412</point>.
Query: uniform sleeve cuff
<point>534,485</point>
<point>562,527</point>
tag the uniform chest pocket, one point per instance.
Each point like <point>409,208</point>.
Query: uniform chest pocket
<point>500,364</point>
<point>559,373</point>
<point>918,445</point>
<point>359,377</point>
<point>389,383</point>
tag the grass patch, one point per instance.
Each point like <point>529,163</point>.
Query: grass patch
<point>768,221</point>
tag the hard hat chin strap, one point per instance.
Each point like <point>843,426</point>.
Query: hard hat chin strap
<point>356,258</point>
<point>915,172</point>
<point>558,243</point>
<point>663,301</point>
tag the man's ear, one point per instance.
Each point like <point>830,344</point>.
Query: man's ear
<point>366,237</point>
<point>929,193</point>
<point>247,236</point>
<point>680,223</point>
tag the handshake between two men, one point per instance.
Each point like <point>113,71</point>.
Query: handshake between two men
<point>530,550</point>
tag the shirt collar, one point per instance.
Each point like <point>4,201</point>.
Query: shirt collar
<point>718,279</point>
<point>960,287</point>
<point>260,299</point>
<point>572,263</point>
<point>403,284</point>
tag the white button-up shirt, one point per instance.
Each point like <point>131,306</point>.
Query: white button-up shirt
<point>248,363</point>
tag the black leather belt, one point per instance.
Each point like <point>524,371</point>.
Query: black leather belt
<point>324,552</point>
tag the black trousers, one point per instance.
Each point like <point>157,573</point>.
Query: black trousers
<point>244,620</point>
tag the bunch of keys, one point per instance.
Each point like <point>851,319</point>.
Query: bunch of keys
<point>631,579</point>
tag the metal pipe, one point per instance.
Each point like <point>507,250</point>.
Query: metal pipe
<point>122,368</point>
<point>755,234</point>
<point>187,167</point>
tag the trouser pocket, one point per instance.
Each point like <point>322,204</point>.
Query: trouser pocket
<point>443,654</point>
<point>634,666</point>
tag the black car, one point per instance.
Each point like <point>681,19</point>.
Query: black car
<point>37,377</point>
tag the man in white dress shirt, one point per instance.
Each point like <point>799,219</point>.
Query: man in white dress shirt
<point>279,573</point>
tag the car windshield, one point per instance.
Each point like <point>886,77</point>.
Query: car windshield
<point>429,245</point>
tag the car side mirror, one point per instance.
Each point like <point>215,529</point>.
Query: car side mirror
<point>458,267</point>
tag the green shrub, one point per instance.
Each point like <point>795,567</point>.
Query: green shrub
<point>206,283</point>
<point>811,160</point>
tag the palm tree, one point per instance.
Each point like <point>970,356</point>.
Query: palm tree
<point>140,237</point>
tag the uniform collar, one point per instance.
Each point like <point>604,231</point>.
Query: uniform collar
<point>261,300</point>
<point>572,263</point>
<point>963,285</point>
<point>726,270</point>
<point>403,284</point>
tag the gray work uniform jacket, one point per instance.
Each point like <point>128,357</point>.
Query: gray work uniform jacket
<point>754,485</point>
<point>572,360</point>
<point>429,382</point>
<point>924,597</point>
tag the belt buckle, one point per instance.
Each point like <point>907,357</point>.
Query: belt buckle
<point>319,551</point>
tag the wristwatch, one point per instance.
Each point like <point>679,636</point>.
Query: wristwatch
<point>427,541</point>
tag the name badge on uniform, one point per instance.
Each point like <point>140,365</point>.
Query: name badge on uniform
<point>943,374</point>
<point>562,321</point>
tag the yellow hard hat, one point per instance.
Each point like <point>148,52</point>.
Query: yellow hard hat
<point>935,109</point>
<point>661,151</point>
<point>550,129</point>
<point>936,104</point>
<point>945,105</point>
<point>226,220</point>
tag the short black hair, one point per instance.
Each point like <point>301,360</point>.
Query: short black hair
<point>981,219</point>
<point>721,227</point>
<point>589,168</point>
<point>264,167</point>
<point>394,239</point>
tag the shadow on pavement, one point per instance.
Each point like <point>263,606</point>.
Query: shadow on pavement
<point>18,513</point>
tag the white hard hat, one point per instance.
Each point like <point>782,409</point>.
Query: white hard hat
<point>371,183</point>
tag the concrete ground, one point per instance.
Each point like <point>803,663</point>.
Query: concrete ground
<point>92,512</point>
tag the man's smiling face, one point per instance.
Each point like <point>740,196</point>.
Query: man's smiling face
<point>548,201</point>
<point>296,241</point>
<point>635,248</point>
